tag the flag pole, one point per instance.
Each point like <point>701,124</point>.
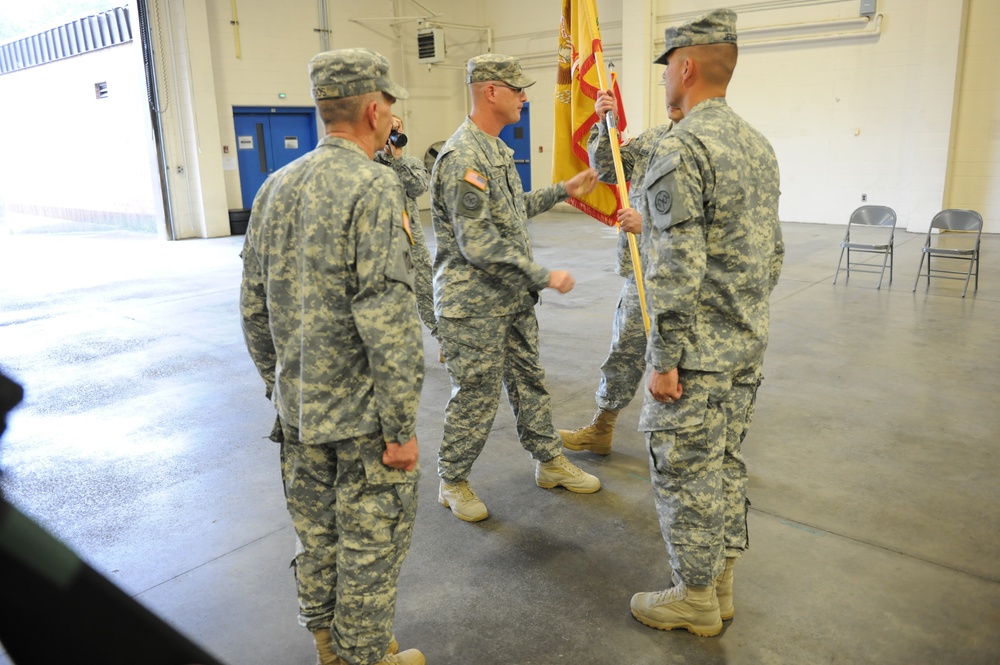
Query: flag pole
<point>602,81</point>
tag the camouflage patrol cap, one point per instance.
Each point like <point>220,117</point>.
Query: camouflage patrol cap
<point>496,67</point>
<point>349,72</point>
<point>718,27</point>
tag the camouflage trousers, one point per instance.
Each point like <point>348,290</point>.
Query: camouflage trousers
<point>623,368</point>
<point>353,519</point>
<point>483,354</point>
<point>698,473</point>
<point>686,447</point>
<point>742,398</point>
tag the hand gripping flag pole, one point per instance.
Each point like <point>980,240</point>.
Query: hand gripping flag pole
<point>602,77</point>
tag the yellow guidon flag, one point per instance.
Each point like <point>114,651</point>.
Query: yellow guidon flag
<point>577,83</point>
<point>581,74</point>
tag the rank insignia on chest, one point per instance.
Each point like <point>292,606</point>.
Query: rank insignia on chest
<point>662,201</point>
<point>476,179</point>
<point>406,227</point>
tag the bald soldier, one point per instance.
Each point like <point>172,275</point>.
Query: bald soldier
<point>486,284</point>
<point>712,257</point>
<point>330,320</point>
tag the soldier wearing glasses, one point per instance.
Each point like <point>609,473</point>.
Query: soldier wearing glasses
<point>486,284</point>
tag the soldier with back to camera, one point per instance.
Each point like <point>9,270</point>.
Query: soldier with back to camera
<point>330,320</point>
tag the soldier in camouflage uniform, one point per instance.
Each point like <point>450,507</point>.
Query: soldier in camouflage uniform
<point>485,287</point>
<point>713,254</point>
<point>330,320</point>
<point>414,177</point>
<point>626,362</point>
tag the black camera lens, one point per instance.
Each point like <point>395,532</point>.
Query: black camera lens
<point>398,139</point>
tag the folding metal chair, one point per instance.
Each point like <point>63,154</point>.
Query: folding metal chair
<point>873,217</point>
<point>952,220</point>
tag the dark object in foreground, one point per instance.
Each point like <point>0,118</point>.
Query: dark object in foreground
<point>57,609</point>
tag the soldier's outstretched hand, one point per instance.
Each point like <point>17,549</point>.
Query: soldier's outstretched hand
<point>561,281</point>
<point>582,183</point>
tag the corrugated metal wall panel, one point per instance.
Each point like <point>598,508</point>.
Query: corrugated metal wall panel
<point>80,36</point>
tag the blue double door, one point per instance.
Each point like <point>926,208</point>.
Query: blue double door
<point>518,138</point>
<point>268,138</point>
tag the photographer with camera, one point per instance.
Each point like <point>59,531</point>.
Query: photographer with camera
<point>397,139</point>
<point>414,176</point>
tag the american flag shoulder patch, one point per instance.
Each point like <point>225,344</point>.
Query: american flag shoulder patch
<point>476,179</point>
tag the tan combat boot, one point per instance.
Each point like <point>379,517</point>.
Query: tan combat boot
<point>408,657</point>
<point>464,503</point>
<point>694,609</point>
<point>324,648</point>
<point>724,590</point>
<point>595,437</point>
<point>560,471</point>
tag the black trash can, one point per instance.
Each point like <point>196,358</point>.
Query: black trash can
<point>238,220</point>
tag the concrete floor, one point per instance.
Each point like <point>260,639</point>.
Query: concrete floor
<point>874,458</point>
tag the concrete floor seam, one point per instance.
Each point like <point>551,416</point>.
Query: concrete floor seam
<point>210,561</point>
<point>812,527</point>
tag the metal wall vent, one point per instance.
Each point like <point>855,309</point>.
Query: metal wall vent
<point>430,45</point>
<point>90,33</point>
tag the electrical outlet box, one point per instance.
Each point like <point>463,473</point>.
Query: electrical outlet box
<point>864,197</point>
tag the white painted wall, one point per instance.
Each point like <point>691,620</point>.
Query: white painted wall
<point>269,56</point>
<point>975,162</point>
<point>867,115</point>
<point>188,118</point>
<point>908,116</point>
<point>276,41</point>
<point>535,42</point>
<point>860,115</point>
